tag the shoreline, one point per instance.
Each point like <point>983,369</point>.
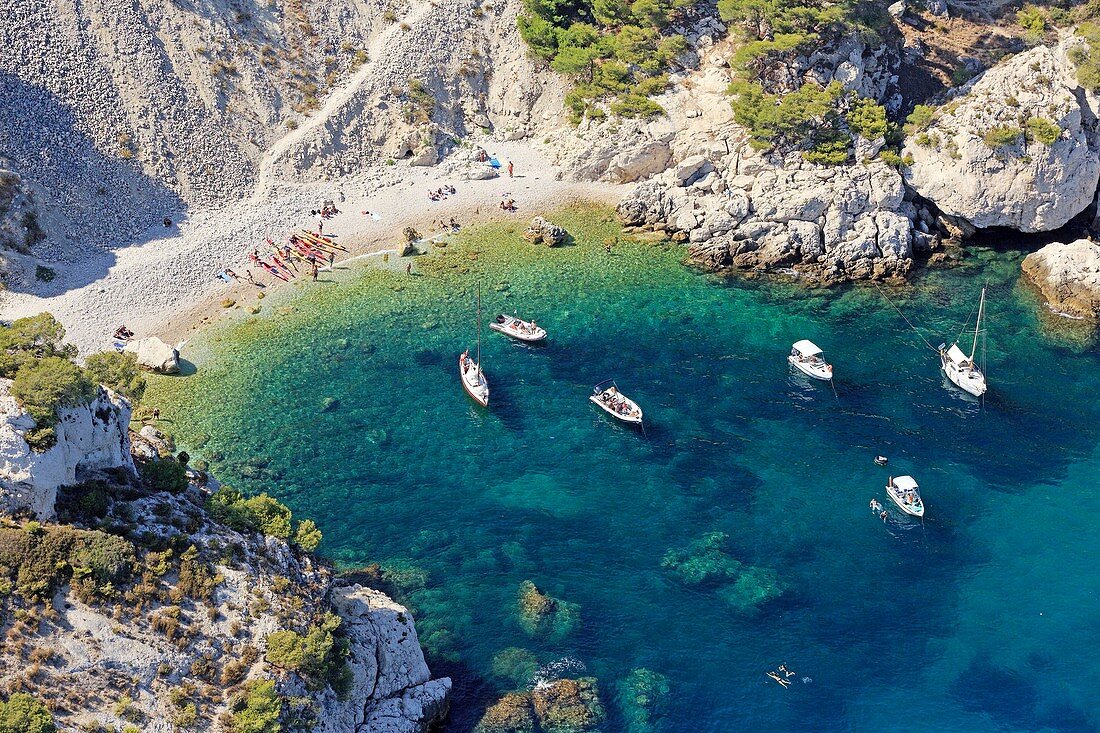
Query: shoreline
<point>166,283</point>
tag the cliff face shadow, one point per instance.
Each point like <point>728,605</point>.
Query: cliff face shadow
<point>105,201</point>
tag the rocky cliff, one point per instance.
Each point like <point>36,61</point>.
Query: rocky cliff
<point>1068,276</point>
<point>1018,147</point>
<point>168,603</point>
<point>90,438</point>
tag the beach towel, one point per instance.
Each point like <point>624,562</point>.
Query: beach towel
<point>494,162</point>
<point>225,277</point>
<point>376,217</point>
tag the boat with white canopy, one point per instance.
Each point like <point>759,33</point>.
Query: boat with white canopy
<point>906,494</point>
<point>518,329</point>
<point>607,397</point>
<point>961,369</point>
<point>473,378</point>
<point>809,359</point>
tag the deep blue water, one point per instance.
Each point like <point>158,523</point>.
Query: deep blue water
<point>985,617</point>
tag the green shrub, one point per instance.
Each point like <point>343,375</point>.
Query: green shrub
<point>1043,130</point>
<point>318,656</point>
<point>257,708</point>
<point>21,713</point>
<point>272,517</point>
<point>258,513</point>
<point>308,537</point>
<point>40,558</point>
<point>1003,136</point>
<point>44,386</point>
<point>43,273</point>
<point>118,371</point>
<point>919,119</point>
<point>1033,21</point>
<point>27,339</point>
<point>867,118</point>
<point>196,580</point>
<point>165,474</point>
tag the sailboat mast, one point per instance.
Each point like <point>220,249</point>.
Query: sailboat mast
<point>479,331</point>
<point>977,326</point>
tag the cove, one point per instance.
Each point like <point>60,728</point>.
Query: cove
<point>731,537</point>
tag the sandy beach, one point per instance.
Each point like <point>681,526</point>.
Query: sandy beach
<point>165,284</point>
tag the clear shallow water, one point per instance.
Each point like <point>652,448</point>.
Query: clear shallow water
<point>983,618</point>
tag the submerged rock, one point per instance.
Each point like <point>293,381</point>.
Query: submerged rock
<point>641,697</point>
<point>512,713</point>
<point>754,587</point>
<point>568,706</point>
<point>543,615</point>
<point>1068,276</point>
<point>515,666</point>
<point>1020,149</point>
<point>704,560</point>
<point>329,404</point>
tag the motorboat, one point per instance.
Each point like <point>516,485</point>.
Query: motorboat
<point>961,369</point>
<point>607,397</point>
<point>807,358</point>
<point>518,329</point>
<point>906,494</point>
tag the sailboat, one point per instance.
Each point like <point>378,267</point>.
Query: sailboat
<point>473,378</point>
<point>960,368</point>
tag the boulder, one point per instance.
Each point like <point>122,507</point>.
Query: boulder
<point>1068,276</point>
<point>540,231</point>
<point>90,437</point>
<point>543,615</point>
<point>690,169</point>
<point>155,355</point>
<point>510,714</point>
<point>1019,149</point>
<point>568,705</point>
<point>639,163</point>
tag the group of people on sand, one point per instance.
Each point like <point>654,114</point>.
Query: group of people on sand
<point>123,334</point>
<point>443,225</point>
<point>441,193</point>
<point>508,204</point>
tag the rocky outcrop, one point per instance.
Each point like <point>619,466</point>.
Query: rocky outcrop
<point>561,706</point>
<point>1068,276</point>
<point>543,615</point>
<point>155,355</point>
<point>742,211</point>
<point>540,231</point>
<point>393,691</point>
<point>90,437</point>
<point>1019,148</point>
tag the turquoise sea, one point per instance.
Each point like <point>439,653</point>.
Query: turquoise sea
<point>983,617</point>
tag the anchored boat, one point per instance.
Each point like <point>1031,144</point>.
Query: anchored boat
<point>473,378</point>
<point>607,397</point>
<point>807,358</point>
<point>518,329</point>
<point>906,494</point>
<point>960,368</point>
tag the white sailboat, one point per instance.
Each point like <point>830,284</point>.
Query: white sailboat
<point>473,378</point>
<point>615,403</point>
<point>959,368</point>
<point>807,358</point>
<point>906,494</point>
<point>518,328</point>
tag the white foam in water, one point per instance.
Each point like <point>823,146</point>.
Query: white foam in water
<point>558,670</point>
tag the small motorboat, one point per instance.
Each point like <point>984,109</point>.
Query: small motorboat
<point>807,358</point>
<point>518,329</point>
<point>960,368</point>
<point>473,379</point>
<point>607,397</point>
<point>906,494</point>
<point>881,460</point>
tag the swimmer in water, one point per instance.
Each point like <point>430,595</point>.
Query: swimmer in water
<point>875,506</point>
<point>883,516</point>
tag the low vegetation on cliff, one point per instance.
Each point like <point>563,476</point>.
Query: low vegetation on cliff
<point>45,378</point>
<point>616,51</point>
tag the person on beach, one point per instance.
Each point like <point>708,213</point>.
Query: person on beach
<point>409,269</point>
<point>331,259</point>
<point>607,247</point>
<point>248,274</point>
<point>511,169</point>
<point>232,274</point>
<point>314,270</point>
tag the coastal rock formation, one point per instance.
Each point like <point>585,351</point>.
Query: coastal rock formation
<point>89,438</point>
<point>392,689</point>
<point>1020,148</point>
<point>155,355</point>
<point>540,231</point>
<point>1068,276</point>
<point>706,561</point>
<point>740,211</point>
<point>561,706</point>
<point>641,697</point>
<point>544,615</point>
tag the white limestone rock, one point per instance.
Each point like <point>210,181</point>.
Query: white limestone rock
<point>392,691</point>
<point>1068,276</point>
<point>1027,184</point>
<point>155,355</point>
<point>90,437</point>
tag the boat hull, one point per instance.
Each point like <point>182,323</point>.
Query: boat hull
<point>913,510</point>
<point>477,390</point>
<point>810,370</point>
<point>538,335</point>
<point>966,380</point>
<point>629,418</point>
